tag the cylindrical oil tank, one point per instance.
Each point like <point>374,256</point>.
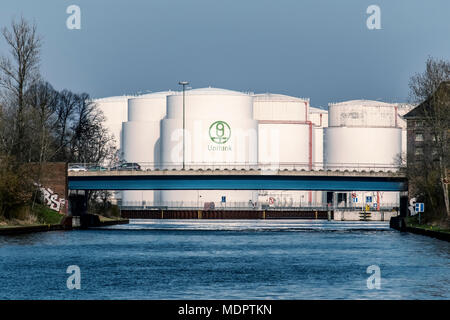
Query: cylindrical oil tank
<point>114,110</point>
<point>148,107</point>
<point>141,134</point>
<point>286,145</point>
<point>284,133</point>
<point>220,133</point>
<point>363,135</point>
<point>141,141</point>
<point>361,148</point>
<point>286,141</point>
<point>318,116</point>
<point>220,130</point>
<point>402,110</point>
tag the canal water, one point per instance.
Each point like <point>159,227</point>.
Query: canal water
<point>225,259</point>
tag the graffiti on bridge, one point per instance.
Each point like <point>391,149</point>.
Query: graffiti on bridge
<point>52,199</point>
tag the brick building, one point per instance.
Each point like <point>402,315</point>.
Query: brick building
<point>421,141</point>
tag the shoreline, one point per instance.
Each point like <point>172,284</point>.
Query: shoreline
<point>15,230</point>
<point>401,224</point>
<point>429,233</point>
<point>24,229</point>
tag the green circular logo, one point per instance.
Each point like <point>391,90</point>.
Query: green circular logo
<point>219,132</point>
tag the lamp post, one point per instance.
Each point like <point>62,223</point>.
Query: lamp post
<point>184,84</point>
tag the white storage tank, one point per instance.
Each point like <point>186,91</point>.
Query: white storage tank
<point>141,133</point>
<point>363,135</point>
<point>115,111</point>
<point>286,141</point>
<point>285,145</point>
<point>285,136</point>
<point>362,148</point>
<point>402,110</point>
<point>148,107</point>
<point>220,129</point>
<point>220,133</point>
<point>319,117</point>
<point>141,141</point>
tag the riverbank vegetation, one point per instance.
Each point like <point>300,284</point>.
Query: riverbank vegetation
<point>39,124</point>
<point>31,215</point>
<point>413,222</point>
<point>101,206</point>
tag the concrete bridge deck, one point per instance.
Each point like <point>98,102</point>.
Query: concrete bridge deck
<point>339,180</point>
<point>236,172</point>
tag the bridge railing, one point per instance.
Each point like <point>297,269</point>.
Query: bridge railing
<point>294,206</point>
<point>281,166</point>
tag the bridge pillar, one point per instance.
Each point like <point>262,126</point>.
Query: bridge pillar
<point>78,202</point>
<point>403,205</point>
<point>334,200</point>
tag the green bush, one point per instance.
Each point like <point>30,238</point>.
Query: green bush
<point>45,215</point>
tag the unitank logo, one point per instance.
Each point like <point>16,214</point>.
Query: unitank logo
<point>219,132</point>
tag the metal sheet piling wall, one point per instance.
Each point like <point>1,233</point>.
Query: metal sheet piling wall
<point>222,214</point>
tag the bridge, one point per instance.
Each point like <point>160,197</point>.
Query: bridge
<point>244,179</point>
<point>225,178</point>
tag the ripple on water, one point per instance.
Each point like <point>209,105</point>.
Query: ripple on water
<point>226,259</point>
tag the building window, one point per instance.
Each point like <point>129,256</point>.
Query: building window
<point>419,137</point>
<point>419,151</point>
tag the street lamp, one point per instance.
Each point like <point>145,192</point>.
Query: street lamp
<point>184,84</point>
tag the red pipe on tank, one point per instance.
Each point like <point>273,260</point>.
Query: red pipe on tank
<point>306,111</point>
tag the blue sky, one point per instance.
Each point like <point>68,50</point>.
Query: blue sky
<point>319,49</point>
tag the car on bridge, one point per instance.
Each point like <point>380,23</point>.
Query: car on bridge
<point>128,166</point>
<point>77,168</point>
<point>97,168</point>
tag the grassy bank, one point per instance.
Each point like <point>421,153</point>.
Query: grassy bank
<point>413,222</point>
<point>107,219</point>
<point>31,216</point>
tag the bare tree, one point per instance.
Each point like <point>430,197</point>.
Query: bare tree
<point>17,73</point>
<point>42,99</point>
<point>423,85</point>
<point>65,115</point>
<point>39,124</point>
<point>91,142</point>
